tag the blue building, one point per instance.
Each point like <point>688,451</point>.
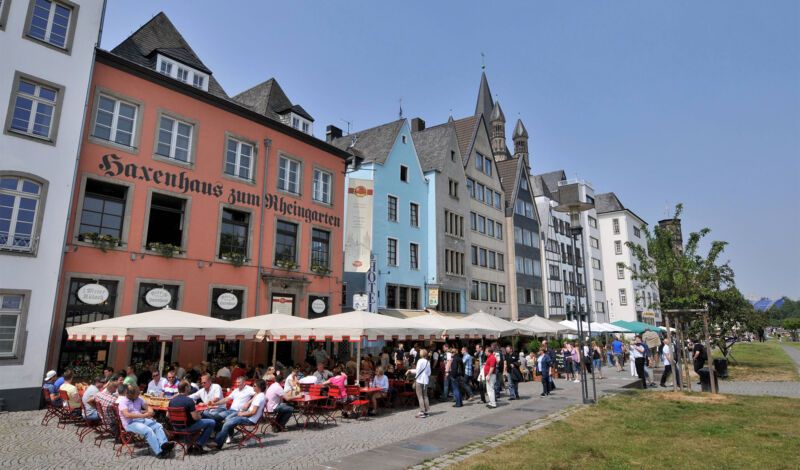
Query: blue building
<point>386,155</point>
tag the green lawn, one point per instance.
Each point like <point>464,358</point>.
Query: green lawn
<point>761,362</point>
<point>660,430</point>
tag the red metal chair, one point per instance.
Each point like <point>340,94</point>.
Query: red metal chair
<point>51,409</point>
<point>179,423</point>
<point>328,408</point>
<point>89,425</point>
<point>305,388</point>
<point>249,431</point>
<point>103,428</point>
<point>69,415</point>
<point>128,440</point>
<point>358,406</point>
<point>405,395</point>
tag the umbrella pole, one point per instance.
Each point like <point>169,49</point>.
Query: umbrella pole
<point>274,355</point>
<point>358,363</point>
<point>161,361</point>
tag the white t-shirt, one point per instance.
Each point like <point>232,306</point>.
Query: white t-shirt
<point>423,371</point>
<point>666,355</point>
<point>224,372</point>
<point>213,393</point>
<point>239,398</point>
<point>156,389</point>
<point>258,404</point>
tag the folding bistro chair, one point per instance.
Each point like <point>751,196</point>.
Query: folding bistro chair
<point>179,423</point>
<point>305,388</point>
<point>328,408</point>
<point>89,424</point>
<point>128,440</point>
<point>68,414</point>
<point>405,396</point>
<point>249,431</point>
<point>103,429</point>
<point>359,406</point>
<point>51,409</point>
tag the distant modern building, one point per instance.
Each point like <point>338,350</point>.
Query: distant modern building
<point>629,299</point>
<point>764,304</point>
<point>48,51</point>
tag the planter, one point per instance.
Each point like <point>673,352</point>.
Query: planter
<point>102,242</point>
<point>286,264</point>
<point>167,250</point>
<point>236,259</point>
<point>321,270</point>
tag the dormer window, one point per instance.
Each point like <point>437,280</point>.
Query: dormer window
<point>298,122</point>
<point>182,72</point>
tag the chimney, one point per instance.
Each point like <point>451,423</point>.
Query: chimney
<point>417,125</point>
<point>332,132</point>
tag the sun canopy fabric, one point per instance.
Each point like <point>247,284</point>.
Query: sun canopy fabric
<point>497,325</point>
<point>634,326</point>
<point>163,325</point>
<point>573,326</point>
<point>265,323</point>
<point>453,327</point>
<point>612,328</point>
<point>542,325</point>
<point>354,326</point>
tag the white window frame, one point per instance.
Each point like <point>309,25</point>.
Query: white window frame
<point>37,101</point>
<point>620,271</point>
<point>617,247</point>
<point>173,144</point>
<point>36,223</point>
<point>114,128</point>
<point>182,74</point>
<point>623,297</point>
<point>285,164</point>
<point>615,226</point>
<point>237,163</point>
<point>318,193</point>
<point>17,353</point>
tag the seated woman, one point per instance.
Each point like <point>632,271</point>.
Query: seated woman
<point>379,381</point>
<point>339,380</point>
<point>292,381</point>
<point>136,418</point>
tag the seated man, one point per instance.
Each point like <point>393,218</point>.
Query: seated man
<point>249,416</point>
<point>88,398</point>
<point>193,420</point>
<point>280,411</point>
<point>379,381</point>
<point>103,401</point>
<point>72,393</point>
<point>130,377</point>
<point>156,386</point>
<point>322,374</point>
<point>239,398</point>
<point>50,386</point>
<point>208,393</point>
<point>136,418</point>
<point>171,387</point>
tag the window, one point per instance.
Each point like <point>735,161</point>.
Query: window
<point>553,271</point>
<point>499,230</point>
<point>528,266</point>
<point>489,193</point>
<point>198,81</point>
<point>481,224</point>
<point>519,207</point>
<point>453,189</point>
<point>618,247</point>
<point>285,242</point>
<point>454,224</point>
<point>166,67</point>
<point>555,299</point>
<point>623,297</point>
<point>413,256</point>
<point>344,294</point>
<point>471,188</point>
<point>13,313</point>
<point>289,175</point>
<point>321,187</point>
<point>519,263</point>
<point>487,166</point>
<point>484,291</point>
<point>615,224</point>
<point>391,207</point>
<point>637,232</point>
<point>34,109</point>
<point>490,227</point>
<point>183,74</point>
<point>234,232</point>
<point>526,237</point>
<point>454,262</point>
<point>166,221</point>
<point>479,161</point>
<point>480,191</point>
<point>537,297</point>
<point>115,121</point>
<point>452,155</point>
<point>413,213</point>
<point>620,271</point>
<point>528,210</point>
<point>501,294</point>
<point>599,307</point>
<point>19,208</point>
<point>473,292</point>
<point>403,139</point>
<point>402,297</point>
<point>592,222</point>
<point>523,182</point>
<point>391,252</point>
<point>595,263</point>
<point>320,248</point>
<point>449,301</point>
<point>474,255</point>
<point>492,260</point>
<point>228,315</point>
<point>103,208</point>
<point>3,13</point>
<point>493,292</point>
<point>537,268</point>
<point>174,139</point>
<point>404,173</point>
<point>497,202</point>
<point>482,255</point>
<point>518,235</point>
<point>594,243</point>
<point>50,22</point>
<point>598,285</point>
<point>473,221</point>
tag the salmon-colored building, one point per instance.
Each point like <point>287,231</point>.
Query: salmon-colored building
<point>195,200</point>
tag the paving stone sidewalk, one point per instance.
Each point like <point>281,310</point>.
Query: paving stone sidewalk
<point>24,443</point>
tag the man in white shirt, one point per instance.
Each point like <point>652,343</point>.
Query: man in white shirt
<point>209,393</point>
<point>249,414</point>
<point>666,359</point>
<point>88,398</point>
<point>156,386</point>
<point>239,397</point>
<point>322,374</point>
<point>224,372</point>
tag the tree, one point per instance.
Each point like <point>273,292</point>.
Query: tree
<point>687,280</point>
<point>789,309</point>
<point>792,325</point>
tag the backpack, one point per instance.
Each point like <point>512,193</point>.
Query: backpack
<point>457,367</point>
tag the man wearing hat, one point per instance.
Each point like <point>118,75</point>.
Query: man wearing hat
<point>50,386</point>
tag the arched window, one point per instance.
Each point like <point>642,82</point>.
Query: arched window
<point>19,210</point>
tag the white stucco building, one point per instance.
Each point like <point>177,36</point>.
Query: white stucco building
<point>628,299</point>
<point>48,51</point>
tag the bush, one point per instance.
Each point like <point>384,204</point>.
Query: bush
<point>554,344</point>
<point>534,345</point>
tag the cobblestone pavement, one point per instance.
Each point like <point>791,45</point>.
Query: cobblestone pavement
<point>24,443</point>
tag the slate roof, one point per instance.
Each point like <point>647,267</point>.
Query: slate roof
<point>497,113</point>
<point>519,130</point>
<point>465,131</point>
<point>539,187</point>
<point>434,145</point>
<point>607,202</point>
<point>551,179</point>
<point>268,98</point>
<point>373,144</point>
<point>485,103</point>
<point>159,35</point>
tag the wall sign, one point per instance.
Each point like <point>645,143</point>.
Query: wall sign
<point>158,297</point>
<point>318,306</point>
<point>92,294</point>
<point>227,301</point>
<point>433,296</point>
<point>372,284</point>
<point>360,302</point>
<point>358,244</point>
<point>282,304</point>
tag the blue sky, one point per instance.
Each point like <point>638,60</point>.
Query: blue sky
<point>659,102</point>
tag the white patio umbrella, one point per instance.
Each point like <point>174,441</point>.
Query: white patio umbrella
<point>499,326</point>
<point>265,324</point>
<point>452,327</point>
<point>355,326</point>
<point>543,326</point>
<point>612,328</point>
<point>163,325</point>
<point>572,325</point>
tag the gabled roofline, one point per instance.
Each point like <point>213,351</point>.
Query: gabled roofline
<point>113,60</point>
<point>625,210</point>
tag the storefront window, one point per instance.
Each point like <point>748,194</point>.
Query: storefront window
<point>86,357</point>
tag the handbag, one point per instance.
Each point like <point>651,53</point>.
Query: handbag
<point>481,376</point>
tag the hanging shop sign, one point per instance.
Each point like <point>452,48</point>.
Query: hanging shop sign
<point>282,304</point>
<point>227,301</point>
<point>360,302</point>
<point>158,297</point>
<point>372,284</point>
<point>113,165</point>
<point>358,244</point>
<point>92,294</point>
<point>433,296</point>
<point>318,306</point>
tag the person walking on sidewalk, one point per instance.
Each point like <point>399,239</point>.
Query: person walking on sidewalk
<point>457,377</point>
<point>597,358</point>
<point>468,371</point>
<point>545,366</point>
<point>619,355</point>
<point>666,359</point>
<point>489,369</point>
<point>423,374</point>
<point>480,356</point>
<point>637,354</point>
<point>653,341</point>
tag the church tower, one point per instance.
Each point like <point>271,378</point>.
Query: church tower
<point>520,138</point>
<point>497,125</point>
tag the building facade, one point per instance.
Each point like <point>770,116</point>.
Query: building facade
<point>629,299</point>
<point>188,199</point>
<point>48,49</point>
<point>591,255</point>
<point>400,214</point>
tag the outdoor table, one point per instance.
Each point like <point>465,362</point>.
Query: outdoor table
<point>306,407</point>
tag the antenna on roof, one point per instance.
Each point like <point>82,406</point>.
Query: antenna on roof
<point>348,124</point>
<point>666,209</point>
<point>401,108</point>
<point>483,61</point>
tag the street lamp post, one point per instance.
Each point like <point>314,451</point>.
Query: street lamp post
<point>569,201</point>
